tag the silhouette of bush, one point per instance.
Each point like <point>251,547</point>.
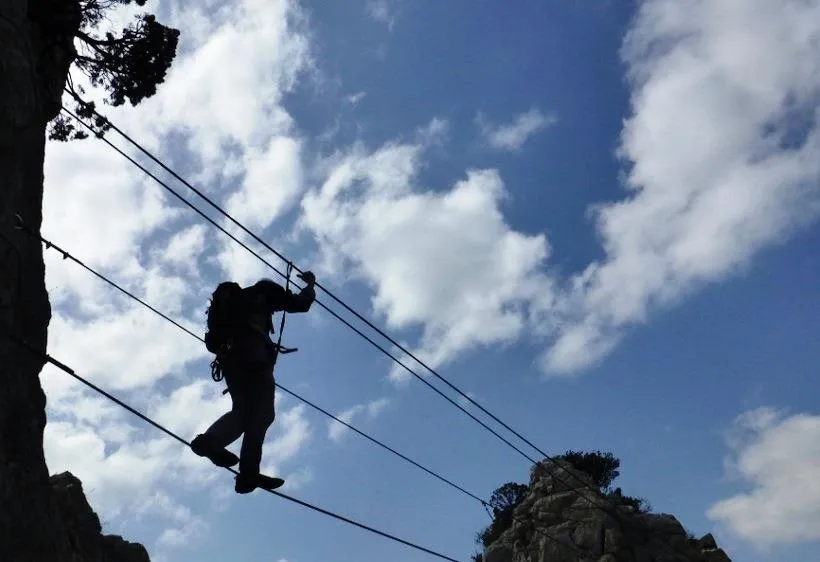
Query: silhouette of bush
<point>639,504</point>
<point>602,468</point>
<point>127,65</point>
<point>503,502</point>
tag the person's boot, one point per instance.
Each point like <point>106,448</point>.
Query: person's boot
<point>203,446</point>
<point>247,482</point>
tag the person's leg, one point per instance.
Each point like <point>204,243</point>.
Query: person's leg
<point>229,427</point>
<point>261,416</point>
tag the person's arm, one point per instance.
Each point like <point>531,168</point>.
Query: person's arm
<point>282,299</point>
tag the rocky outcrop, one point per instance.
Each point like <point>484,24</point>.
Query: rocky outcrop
<point>38,522</point>
<point>83,526</point>
<point>33,67</point>
<point>562,520</point>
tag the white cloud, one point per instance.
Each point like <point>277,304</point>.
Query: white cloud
<point>355,99</point>
<point>723,93</point>
<point>124,467</point>
<point>710,184</point>
<point>190,409</point>
<point>89,186</point>
<point>381,11</point>
<point>434,133</point>
<point>185,247</point>
<point>443,260</point>
<point>376,407</point>
<point>272,183</point>
<point>238,264</point>
<point>126,349</point>
<point>779,457</point>
<point>291,431</point>
<point>370,410</point>
<point>299,479</point>
<point>511,137</point>
<point>464,402</point>
<point>242,107</point>
<point>123,462</point>
<point>186,528</point>
<point>117,473</point>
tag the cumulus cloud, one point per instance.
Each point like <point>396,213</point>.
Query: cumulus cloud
<point>184,249</point>
<point>186,527</point>
<point>115,205</point>
<point>272,183</point>
<point>721,144</point>
<point>779,457</point>
<point>243,107</point>
<point>370,410</point>
<point>238,264</point>
<point>127,349</point>
<point>119,472</point>
<point>190,409</point>
<point>512,136</point>
<point>444,260</point>
<point>295,432</point>
<point>718,145</point>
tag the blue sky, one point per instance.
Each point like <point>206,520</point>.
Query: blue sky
<point>597,218</point>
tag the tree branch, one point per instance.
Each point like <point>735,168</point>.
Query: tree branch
<point>94,42</point>
<point>88,60</point>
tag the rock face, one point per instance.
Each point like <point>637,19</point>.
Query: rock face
<point>37,523</point>
<point>560,520</point>
<point>83,526</point>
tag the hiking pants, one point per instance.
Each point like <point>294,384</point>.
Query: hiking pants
<point>251,386</point>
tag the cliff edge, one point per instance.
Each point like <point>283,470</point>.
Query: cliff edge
<point>42,518</point>
<point>561,519</point>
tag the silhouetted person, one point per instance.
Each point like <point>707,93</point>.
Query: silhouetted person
<point>248,373</point>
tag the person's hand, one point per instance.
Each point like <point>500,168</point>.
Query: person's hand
<point>308,278</point>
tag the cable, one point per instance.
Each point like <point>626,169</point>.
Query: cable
<point>595,492</point>
<point>332,312</point>
<point>547,457</point>
<point>329,293</point>
<point>62,366</point>
<point>68,370</point>
<point>66,255</point>
<point>173,435</point>
<point>101,136</point>
<point>342,303</point>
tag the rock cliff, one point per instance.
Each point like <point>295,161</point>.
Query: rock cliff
<point>560,520</point>
<point>41,519</point>
<point>83,526</point>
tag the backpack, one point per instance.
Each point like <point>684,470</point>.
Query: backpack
<point>225,317</point>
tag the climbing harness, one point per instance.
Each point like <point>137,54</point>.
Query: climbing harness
<point>279,348</point>
<point>216,364</point>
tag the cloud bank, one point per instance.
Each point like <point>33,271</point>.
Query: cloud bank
<point>779,457</point>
